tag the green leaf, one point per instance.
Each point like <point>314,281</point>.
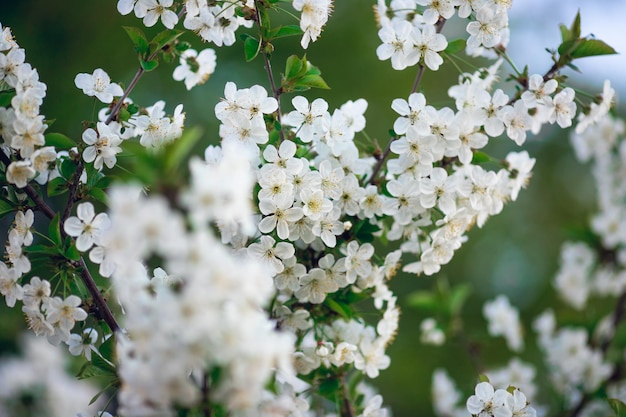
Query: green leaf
<point>54,230</point>
<point>364,231</point>
<point>423,300</point>
<point>565,33</point>
<point>251,47</point>
<point>89,370</point>
<point>575,28</point>
<point>57,186</point>
<point>133,108</point>
<point>93,176</point>
<point>458,297</point>
<point>72,253</point>
<point>483,378</point>
<point>566,48</point>
<point>295,67</point>
<point>592,47</point>
<point>312,81</point>
<point>102,364</point>
<point>164,38</point>
<point>6,96</point>
<point>455,46</point>
<point>59,141</point>
<point>107,349</point>
<point>328,388</point>
<point>6,207</point>
<point>149,65</point>
<point>284,31</point>
<point>480,158</point>
<point>99,195</point>
<point>138,38</point>
<point>618,406</point>
<point>342,309</point>
<point>177,151</point>
<point>42,249</point>
<point>182,46</point>
<point>67,168</point>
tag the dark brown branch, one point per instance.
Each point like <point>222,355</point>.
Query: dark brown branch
<point>103,309</point>
<point>347,410</point>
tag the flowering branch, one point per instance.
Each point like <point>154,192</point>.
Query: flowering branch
<point>276,92</point>
<point>85,275</point>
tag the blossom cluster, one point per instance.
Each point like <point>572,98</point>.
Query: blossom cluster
<point>42,377</point>
<point>153,127</point>
<point>23,129</point>
<point>238,288</point>
<point>579,359</point>
<point>409,29</point>
<point>217,21</point>
<point>21,124</point>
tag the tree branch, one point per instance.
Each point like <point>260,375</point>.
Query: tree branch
<point>85,276</point>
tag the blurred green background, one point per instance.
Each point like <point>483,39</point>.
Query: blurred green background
<point>515,253</point>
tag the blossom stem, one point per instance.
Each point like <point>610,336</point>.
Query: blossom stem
<point>381,161</point>
<point>507,58</point>
<point>276,92</point>
<point>418,78</point>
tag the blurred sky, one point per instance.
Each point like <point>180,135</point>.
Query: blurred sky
<point>534,24</point>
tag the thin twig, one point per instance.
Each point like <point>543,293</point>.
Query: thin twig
<point>276,92</point>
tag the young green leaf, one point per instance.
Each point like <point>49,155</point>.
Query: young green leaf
<point>59,141</point>
<point>54,230</point>
<point>6,208</point>
<point>311,81</point>
<point>178,150</point>
<point>107,349</point>
<point>455,46</point>
<point>592,47</point>
<point>618,406</point>
<point>164,38</point>
<point>72,253</point>
<point>575,28</point>
<point>294,67</point>
<point>99,195</point>
<point>6,97</point>
<point>57,186</point>
<point>284,31</point>
<point>423,300</point>
<point>149,65</point>
<point>138,38</point>
<point>251,47</point>
<point>342,309</point>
